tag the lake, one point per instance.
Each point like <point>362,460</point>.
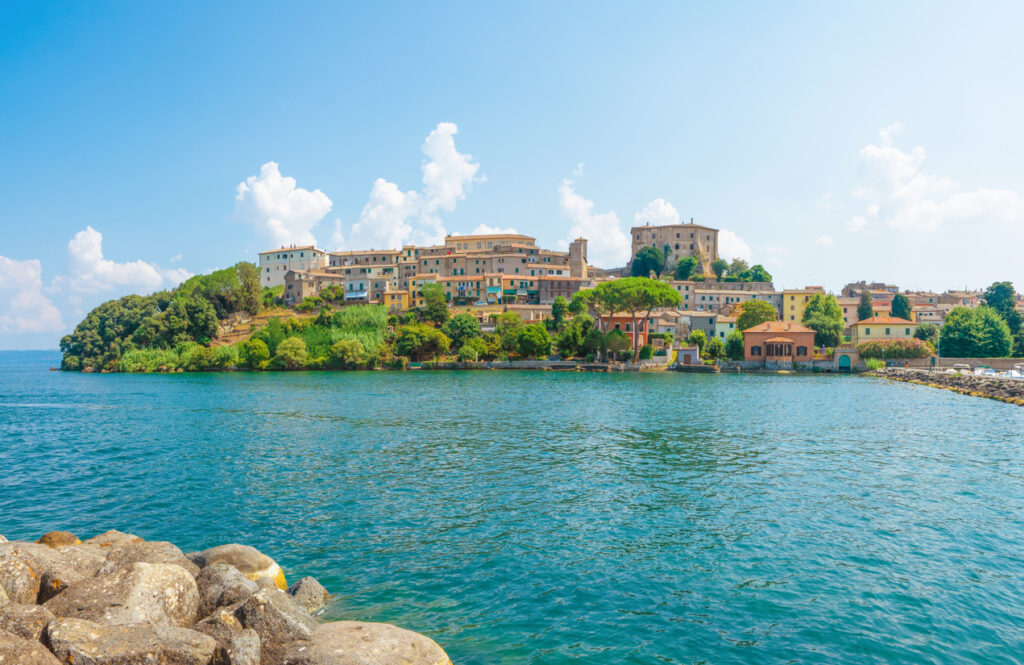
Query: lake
<point>544,517</point>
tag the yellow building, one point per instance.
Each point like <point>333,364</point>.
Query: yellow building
<point>882,328</point>
<point>396,301</point>
<point>794,301</point>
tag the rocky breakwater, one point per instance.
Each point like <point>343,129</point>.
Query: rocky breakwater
<point>116,599</point>
<point>1004,390</point>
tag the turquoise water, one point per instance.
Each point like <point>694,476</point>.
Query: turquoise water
<point>549,517</point>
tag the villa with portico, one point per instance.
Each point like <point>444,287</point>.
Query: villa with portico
<point>779,341</point>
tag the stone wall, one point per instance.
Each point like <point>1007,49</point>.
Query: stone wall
<point>1005,390</point>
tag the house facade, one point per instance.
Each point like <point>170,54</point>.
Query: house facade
<point>775,341</point>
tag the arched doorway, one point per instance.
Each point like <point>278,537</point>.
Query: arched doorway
<point>844,363</point>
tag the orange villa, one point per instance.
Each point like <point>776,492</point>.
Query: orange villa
<point>779,341</point>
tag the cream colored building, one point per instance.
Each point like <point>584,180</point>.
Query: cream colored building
<point>276,262</point>
<point>882,328</point>
<point>680,240</point>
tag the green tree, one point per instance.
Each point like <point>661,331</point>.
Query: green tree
<point>995,339</point>
<point>759,274</point>
<point>474,349</point>
<point>461,328</point>
<point>1001,297</point>
<point>754,312</point>
<point>927,332</point>
<point>719,267</point>
<point>291,353</point>
<point>823,315</point>
<point>960,334</point>
<point>255,353</point>
<point>570,340</point>
<point>435,304</point>
<point>418,342</point>
<point>639,296</point>
<point>647,260</point>
<point>697,338</point>
<point>347,353</point>
<point>901,307</point>
<point>734,349</point>
<point>616,342</point>
<point>865,310</point>
<point>533,341</point>
<point>738,267</point>
<point>715,349</point>
<point>559,309</point>
<point>685,267</point>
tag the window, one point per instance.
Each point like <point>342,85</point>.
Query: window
<point>867,331</point>
<point>755,350</point>
<point>907,331</point>
<point>887,331</point>
<point>801,350</point>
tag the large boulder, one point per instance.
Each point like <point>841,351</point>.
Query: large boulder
<point>219,585</point>
<point>24,565</point>
<point>16,650</point>
<point>17,578</point>
<point>278,619</point>
<point>124,556</point>
<point>58,538</point>
<point>26,621</point>
<point>3,597</point>
<point>236,645</point>
<point>250,561</point>
<point>87,643</point>
<point>113,538</point>
<point>156,593</point>
<point>310,593</point>
<point>358,643</point>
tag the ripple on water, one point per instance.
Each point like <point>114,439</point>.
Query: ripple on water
<point>546,517</point>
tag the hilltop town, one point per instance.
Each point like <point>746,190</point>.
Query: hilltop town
<point>486,275</point>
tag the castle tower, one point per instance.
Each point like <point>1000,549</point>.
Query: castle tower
<point>578,258</point>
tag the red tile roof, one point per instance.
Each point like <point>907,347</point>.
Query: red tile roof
<point>779,327</point>
<point>880,320</point>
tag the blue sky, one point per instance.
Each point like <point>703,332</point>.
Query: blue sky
<point>832,142</point>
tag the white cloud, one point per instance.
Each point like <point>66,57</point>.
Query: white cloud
<point>337,238</point>
<point>272,203</point>
<point>483,229</point>
<point>856,223</point>
<point>825,241</point>
<point>772,251</point>
<point>175,276</point>
<point>608,246</point>
<point>825,202</point>
<point>905,197</point>
<point>658,212</point>
<point>731,246</point>
<point>176,258</point>
<point>392,218</point>
<point>89,272</point>
<point>23,307</point>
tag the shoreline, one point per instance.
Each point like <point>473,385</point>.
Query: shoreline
<point>1003,390</point>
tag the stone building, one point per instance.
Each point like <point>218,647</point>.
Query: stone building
<point>275,263</point>
<point>678,240</point>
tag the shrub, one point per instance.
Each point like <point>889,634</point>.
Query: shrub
<point>533,341</point>
<point>734,345</point>
<point>874,363</point>
<point>646,352</point>
<point>291,354</point>
<point>255,353</point>
<point>895,348</point>
<point>715,349</point>
<point>347,353</point>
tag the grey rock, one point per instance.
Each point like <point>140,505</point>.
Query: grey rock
<point>58,538</point>
<point>86,559</point>
<point>2,539</point>
<point>248,560</point>
<point>219,585</point>
<point>310,593</point>
<point>156,593</point>
<point>111,539</point>
<point>19,582</point>
<point>26,621</point>
<point>23,565</point>
<point>50,585</point>
<point>124,556</point>
<point>358,643</point>
<point>16,650</point>
<point>87,643</point>
<point>278,619</point>
<point>236,645</point>
<point>3,597</point>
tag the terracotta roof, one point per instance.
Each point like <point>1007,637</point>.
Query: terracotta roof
<point>780,340</point>
<point>779,327</point>
<point>884,320</point>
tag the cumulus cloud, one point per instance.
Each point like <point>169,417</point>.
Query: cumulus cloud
<point>337,238</point>
<point>608,246</point>
<point>175,276</point>
<point>176,258</point>
<point>273,204</point>
<point>731,246</point>
<point>89,272</point>
<point>484,230</point>
<point>856,223</point>
<point>23,307</point>
<point>902,195</point>
<point>392,218</point>
<point>825,242</point>
<point>658,212</point>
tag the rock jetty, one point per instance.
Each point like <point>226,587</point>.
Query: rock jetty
<point>116,599</point>
<point>1004,390</point>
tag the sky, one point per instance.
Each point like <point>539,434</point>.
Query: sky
<point>145,142</point>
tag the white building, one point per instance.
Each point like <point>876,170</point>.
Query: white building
<point>276,262</point>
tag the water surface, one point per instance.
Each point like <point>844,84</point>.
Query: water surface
<point>554,517</point>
